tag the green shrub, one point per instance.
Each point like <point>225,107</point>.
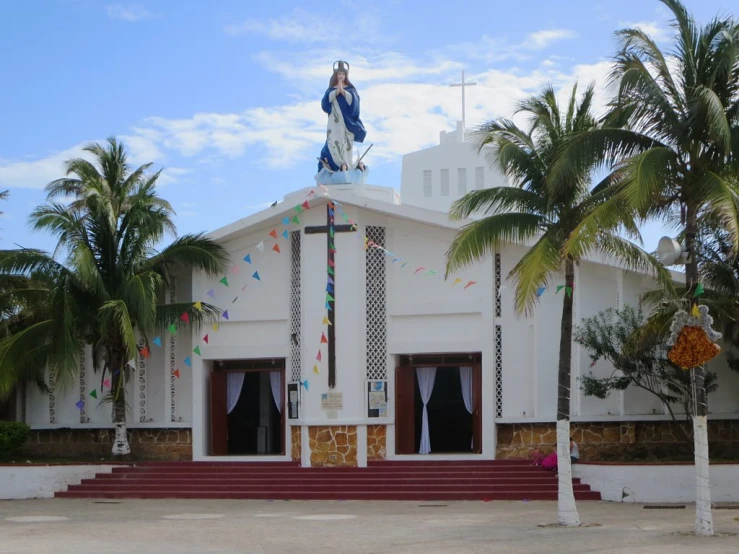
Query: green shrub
<point>13,435</point>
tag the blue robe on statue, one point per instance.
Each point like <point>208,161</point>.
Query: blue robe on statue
<point>344,122</point>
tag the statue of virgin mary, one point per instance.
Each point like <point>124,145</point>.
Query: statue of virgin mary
<point>337,163</point>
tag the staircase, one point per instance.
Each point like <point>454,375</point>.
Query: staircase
<point>388,480</point>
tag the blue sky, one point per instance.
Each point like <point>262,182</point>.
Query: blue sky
<point>225,95</point>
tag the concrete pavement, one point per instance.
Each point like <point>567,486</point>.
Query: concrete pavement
<point>248,527</point>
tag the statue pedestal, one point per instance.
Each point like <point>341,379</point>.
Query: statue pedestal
<point>349,177</point>
<point>349,192</point>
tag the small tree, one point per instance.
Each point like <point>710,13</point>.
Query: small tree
<point>639,359</point>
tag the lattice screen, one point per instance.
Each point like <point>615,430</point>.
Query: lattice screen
<point>172,360</point>
<point>497,286</point>
<point>52,399</point>
<point>376,325</point>
<point>142,382</point>
<point>83,395</point>
<point>295,308</point>
<point>498,371</point>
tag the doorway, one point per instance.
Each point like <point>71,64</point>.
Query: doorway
<point>450,393</point>
<point>247,409</point>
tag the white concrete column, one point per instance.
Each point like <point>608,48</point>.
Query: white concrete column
<point>620,305</point>
<point>575,365</point>
<point>361,445</point>
<point>304,447</point>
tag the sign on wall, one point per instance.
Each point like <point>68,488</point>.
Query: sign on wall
<point>377,398</point>
<point>293,400</point>
<point>332,400</point>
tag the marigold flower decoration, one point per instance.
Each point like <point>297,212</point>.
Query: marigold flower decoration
<point>692,339</point>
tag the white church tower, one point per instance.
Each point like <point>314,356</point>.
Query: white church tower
<point>435,177</point>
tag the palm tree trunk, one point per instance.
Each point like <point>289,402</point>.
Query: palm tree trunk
<point>566,508</point>
<point>120,442</point>
<point>703,513</point>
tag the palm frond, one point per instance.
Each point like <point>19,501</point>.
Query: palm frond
<point>533,271</point>
<point>495,200</point>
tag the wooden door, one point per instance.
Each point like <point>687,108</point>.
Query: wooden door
<point>218,414</point>
<point>405,410</point>
<point>477,409</point>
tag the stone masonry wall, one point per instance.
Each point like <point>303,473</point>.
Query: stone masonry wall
<point>333,446</point>
<point>296,443</point>
<point>621,441</point>
<point>376,442</point>
<point>87,444</point>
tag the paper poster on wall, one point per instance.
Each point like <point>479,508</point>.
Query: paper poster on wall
<point>376,398</point>
<point>332,401</point>
<point>293,400</point>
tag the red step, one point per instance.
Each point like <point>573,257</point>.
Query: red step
<point>396,480</point>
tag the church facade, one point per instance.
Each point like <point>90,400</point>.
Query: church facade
<point>341,342</point>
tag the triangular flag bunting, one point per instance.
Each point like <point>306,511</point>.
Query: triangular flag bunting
<point>695,312</point>
<point>315,370</point>
<point>329,298</point>
<point>106,383</point>
<point>205,339</point>
<point>298,208</point>
<point>94,394</point>
<point>225,315</point>
<point>247,258</point>
<point>273,233</point>
<point>330,281</point>
<point>243,288</point>
<point>198,306</point>
<point>144,352</point>
<point>224,280</point>
<point>431,272</point>
<point>235,270</point>
<point>305,205</point>
<point>234,300</point>
<point>80,405</point>
<point>256,276</point>
<point>157,341</point>
<point>456,281</point>
<point>176,373</point>
<point>331,263</point>
<point>559,288</point>
<point>132,363</point>
<point>324,340</point>
<point>331,270</point>
<point>469,284</point>
<point>173,329</point>
<point>329,287</point>
<point>331,232</point>
<point>215,327</point>
<point>188,363</point>
<point>276,248</point>
<point>196,350</point>
<point>185,317</point>
<point>698,290</point>
<point>286,221</point>
<point>540,291</point>
<point>568,290</point>
<point>419,269</point>
<point>296,220</point>
<point>319,357</point>
<point>260,246</point>
<point>211,293</point>
<point>406,263</point>
<point>328,306</point>
<point>285,234</point>
<point>396,260</point>
<point>305,384</point>
<point>326,320</point>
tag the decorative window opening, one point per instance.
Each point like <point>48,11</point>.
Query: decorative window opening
<point>498,309</point>
<point>142,382</point>
<point>479,178</point>
<point>172,360</point>
<point>462,181</point>
<point>498,371</point>
<point>445,182</point>
<point>375,289</point>
<point>427,190</point>
<point>83,417</point>
<point>295,308</point>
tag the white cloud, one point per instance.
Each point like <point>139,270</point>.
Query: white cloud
<point>131,13</point>
<point>171,175</point>
<point>36,174</point>
<point>653,28</point>
<point>542,39</point>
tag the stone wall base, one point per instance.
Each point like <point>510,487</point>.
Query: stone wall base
<point>88,444</point>
<point>296,437</point>
<point>376,442</point>
<point>333,446</point>
<point>620,441</point>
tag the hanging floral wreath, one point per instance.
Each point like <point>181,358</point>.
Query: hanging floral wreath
<point>692,339</point>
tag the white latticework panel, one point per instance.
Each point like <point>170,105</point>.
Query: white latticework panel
<point>498,371</point>
<point>497,286</point>
<point>375,305</point>
<point>295,309</point>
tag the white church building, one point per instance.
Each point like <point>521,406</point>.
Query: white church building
<point>340,337</point>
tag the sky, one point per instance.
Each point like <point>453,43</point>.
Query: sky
<point>225,95</point>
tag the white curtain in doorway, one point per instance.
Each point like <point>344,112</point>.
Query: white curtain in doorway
<point>465,378</point>
<point>426,377</point>
<point>275,382</point>
<point>234,384</point>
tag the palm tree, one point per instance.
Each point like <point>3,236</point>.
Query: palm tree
<point>676,157</point>
<point>106,292</point>
<point>533,212</point>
